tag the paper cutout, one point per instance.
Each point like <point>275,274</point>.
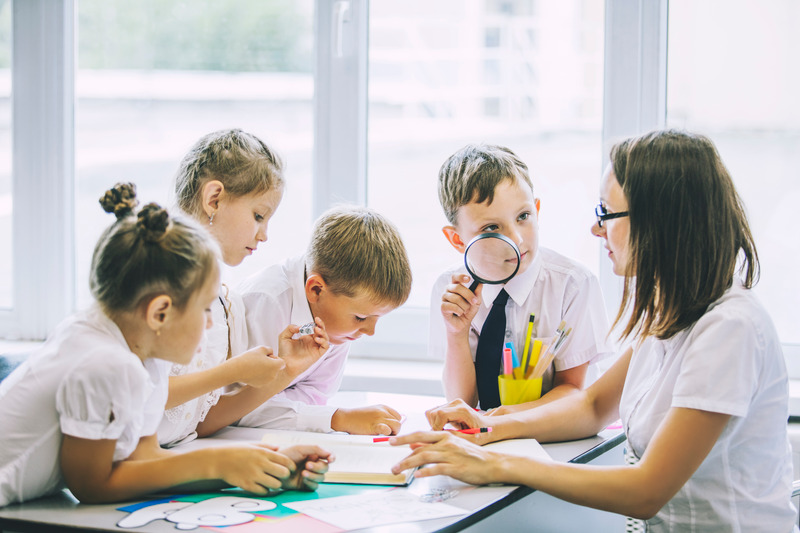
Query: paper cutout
<point>368,510</point>
<point>221,511</point>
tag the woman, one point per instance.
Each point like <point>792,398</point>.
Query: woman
<point>702,393</point>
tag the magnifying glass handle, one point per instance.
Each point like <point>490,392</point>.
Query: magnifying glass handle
<point>474,285</point>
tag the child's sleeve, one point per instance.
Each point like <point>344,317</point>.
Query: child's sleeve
<point>98,401</point>
<point>585,313</point>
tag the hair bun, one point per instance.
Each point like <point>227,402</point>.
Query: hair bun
<point>152,223</point>
<point>120,200</point>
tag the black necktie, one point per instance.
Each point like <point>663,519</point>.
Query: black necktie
<point>490,352</point>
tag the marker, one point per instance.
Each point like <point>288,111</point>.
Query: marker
<point>472,431</point>
<point>380,439</point>
<point>508,368</point>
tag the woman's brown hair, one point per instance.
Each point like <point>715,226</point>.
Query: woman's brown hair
<point>688,231</point>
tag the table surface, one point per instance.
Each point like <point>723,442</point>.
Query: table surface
<point>61,512</point>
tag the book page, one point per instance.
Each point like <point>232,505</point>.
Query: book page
<point>522,447</point>
<point>355,454</point>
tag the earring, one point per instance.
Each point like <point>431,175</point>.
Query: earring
<point>158,333</point>
<point>211,219</point>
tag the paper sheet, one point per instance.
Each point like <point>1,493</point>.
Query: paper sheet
<point>386,507</point>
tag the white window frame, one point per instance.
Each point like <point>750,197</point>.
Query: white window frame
<point>43,63</point>
<point>42,167</point>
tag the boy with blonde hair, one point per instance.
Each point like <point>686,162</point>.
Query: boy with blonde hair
<point>486,188</point>
<point>355,271</point>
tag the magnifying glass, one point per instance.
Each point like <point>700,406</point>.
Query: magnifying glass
<point>491,258</point>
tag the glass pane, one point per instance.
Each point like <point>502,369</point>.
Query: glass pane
<point>6,245</point>
<point>521,73</point>
<point>155,75</point>
<point>734,76</point>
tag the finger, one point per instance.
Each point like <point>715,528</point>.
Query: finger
<point>316,467</point>
<point>271,447</point>
<point>420,437</point>
<point>392,412</point>
<point>460,301</point>
<point>382,429</point>
<point>289,332</point>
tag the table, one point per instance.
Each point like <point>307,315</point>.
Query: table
<point>492,508</point>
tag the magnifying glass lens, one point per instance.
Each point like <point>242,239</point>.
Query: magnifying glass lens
<point>492,258</point>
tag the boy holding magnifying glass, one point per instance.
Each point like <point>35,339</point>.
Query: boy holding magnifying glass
<point>487,189</point>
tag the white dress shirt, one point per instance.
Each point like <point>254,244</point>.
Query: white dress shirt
<point>84,382</point>
<point>730,361</point>
<point>273,299</point>
<point>554,288</point>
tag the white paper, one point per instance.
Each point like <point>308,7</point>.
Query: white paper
<point>374,509</point>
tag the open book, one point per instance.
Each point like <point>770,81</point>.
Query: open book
<point>358,459</point>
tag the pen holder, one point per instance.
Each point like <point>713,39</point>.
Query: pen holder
<point>514,391</point>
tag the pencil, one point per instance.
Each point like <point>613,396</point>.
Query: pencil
<point>528,335</point>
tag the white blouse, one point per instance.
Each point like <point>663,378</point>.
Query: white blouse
<point>84,382</point>
<point>227,316</point>
<point>730,361</point>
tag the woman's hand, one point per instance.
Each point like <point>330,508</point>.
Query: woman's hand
<point>442,453</point>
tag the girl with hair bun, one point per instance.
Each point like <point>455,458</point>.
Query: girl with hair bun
<point>82,410</point>
<point>231,183</point>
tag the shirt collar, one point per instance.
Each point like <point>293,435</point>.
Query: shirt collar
<point>301,311</point>
<point>520,286</point>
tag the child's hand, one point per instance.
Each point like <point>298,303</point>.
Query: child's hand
<point>257,367</point>
<point>461,416</point>
<point>311,463</point>
<point>371,420</point>
<point>299,354</point>
<point>460,305</point>
<point>256,468</point>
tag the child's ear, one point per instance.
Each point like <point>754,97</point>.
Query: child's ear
<point>212,192</point>
<point>315,286</point>
<point>158,311</point>
<point>454,238</point>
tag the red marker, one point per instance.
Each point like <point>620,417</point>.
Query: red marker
<point>472,431</point>
<point>380,439</point>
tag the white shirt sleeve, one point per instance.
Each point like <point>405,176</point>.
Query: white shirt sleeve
<point>97,401</point>
<point>585,313</point>
<point>727,348</point>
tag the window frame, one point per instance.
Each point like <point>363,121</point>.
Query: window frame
<point>42,88</point>
<point>43,65</point>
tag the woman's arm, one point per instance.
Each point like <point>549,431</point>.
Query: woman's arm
<point>678,448</point>
<point>574,416</point>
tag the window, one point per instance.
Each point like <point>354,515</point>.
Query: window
<point>6,247</point>
<point>733,76</point>
<point>445,74</point>
<point>154,76</point>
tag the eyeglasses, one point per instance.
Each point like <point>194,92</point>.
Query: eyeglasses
<point>603,214</point>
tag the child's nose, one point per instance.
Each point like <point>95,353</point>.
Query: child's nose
<point>369,327</point>
<point>261,235</point>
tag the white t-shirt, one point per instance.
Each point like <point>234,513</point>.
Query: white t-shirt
<point>227,315</point>
<point>554,288</point>
<point>730,361</point>
<point>84,382</point>
<point>273,299</point>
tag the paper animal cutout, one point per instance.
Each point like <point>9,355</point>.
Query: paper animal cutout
<point>222,511</point>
